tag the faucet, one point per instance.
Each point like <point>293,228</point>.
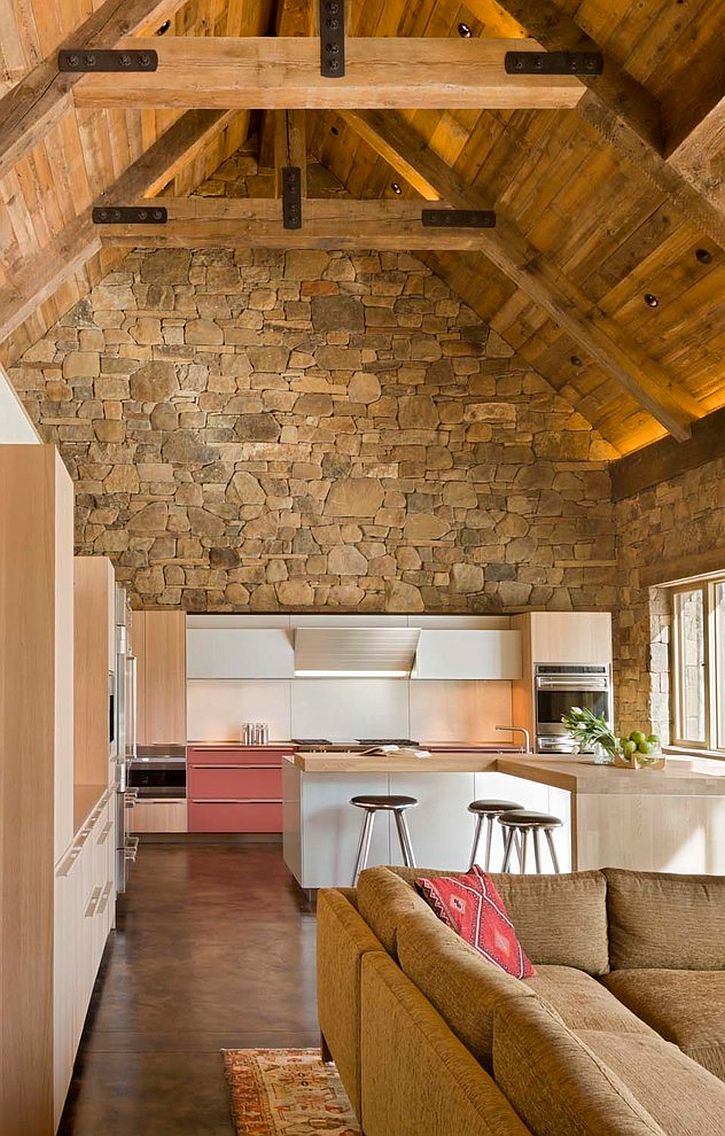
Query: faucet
<point>518,730</point>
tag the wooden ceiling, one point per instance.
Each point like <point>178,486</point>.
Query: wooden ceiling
<point>597,206</point>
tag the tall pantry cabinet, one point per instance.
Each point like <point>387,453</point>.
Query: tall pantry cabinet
<point>36,777</point>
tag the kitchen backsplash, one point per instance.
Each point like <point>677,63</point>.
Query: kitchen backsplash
<point>339,709</point>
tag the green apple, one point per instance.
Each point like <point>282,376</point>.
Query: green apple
<point>653,739</point>
<point>628,746</point>
<point>638,737</point>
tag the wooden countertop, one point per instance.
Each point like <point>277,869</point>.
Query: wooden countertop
<point>681,776</point>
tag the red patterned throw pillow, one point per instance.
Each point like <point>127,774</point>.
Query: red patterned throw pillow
<point>472,907</point>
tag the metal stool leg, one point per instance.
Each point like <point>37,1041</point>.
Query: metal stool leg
<point>363,848</point>
<point>404,836</point>
<point>552,849</point>
<point>537,851</point>
<point>507,850</point>
<point>476,838</point>
<point>524,838</point>
<point>489,836</point>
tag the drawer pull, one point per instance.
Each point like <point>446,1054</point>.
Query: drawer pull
<point>103,835</point>
<point>237,801</point>
<point>236,765</point>
<point>105,896</point>
<point>93,902</point>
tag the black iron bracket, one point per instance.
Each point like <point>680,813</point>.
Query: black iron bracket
<point>458,218</point>
<point>332,38</point>
<point>89,59</point>
<point>129,215</point>
<point>292,197</point>
<point>554,63</point>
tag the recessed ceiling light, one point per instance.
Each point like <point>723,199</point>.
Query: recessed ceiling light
<point>651,300</point>
<point>575,361</point>
<point>464,31</point>
<point>704,256</point>
<point>334,130</point>
<point>396,188</point>
<point>164,28</point>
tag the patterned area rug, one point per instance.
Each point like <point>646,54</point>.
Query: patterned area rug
<point>286,1092</point>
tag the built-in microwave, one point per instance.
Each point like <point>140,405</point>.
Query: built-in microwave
<point>559,687</point>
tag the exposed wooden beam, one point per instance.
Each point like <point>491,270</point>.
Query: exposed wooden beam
<point>293,18</point>
<point>595,333</point>
<point>44,273</point>
<point>41,98</point>
<point>664,459</point>
<point>628,116</point>
<point>284,73</point>
<point>290,146</point>
<point>333,223</point>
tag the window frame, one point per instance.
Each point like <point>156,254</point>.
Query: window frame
<point>712,669</point>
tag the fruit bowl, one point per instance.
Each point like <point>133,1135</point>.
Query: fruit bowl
<point>638,760</point>
<point>639,751</point>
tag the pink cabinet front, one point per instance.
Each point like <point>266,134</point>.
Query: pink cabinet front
<point>243,782</point>
<point>235,816</point>
<point>239,755</point>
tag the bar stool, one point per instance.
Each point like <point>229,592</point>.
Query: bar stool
<point>487,810</point>
<point>517,825</point>
<point>389,804</point>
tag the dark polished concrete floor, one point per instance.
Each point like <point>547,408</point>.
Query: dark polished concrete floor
<point>214,948</point>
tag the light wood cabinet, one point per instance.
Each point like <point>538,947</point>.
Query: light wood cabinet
<point>159,644</point>
<point>95,632</point>
<point>36,744</point>
<point>158,815</point>
<point>566,637</point>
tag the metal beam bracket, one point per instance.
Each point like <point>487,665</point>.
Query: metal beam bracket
<point>129,215</point>
<point>292,197</point>
<point>554,63</point>
<point>458,218</point>
<point>87,60</point>
<point>332,38</point>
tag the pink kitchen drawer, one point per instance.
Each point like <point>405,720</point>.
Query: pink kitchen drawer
<point>229,779</point>
<point>223,815</point>
<point>236,756</point>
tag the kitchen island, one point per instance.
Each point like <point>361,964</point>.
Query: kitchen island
<point>658,820</point>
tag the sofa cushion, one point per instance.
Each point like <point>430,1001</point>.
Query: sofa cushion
<point>582,1002</point>
<point>560,920</point>
<point>383,898</point>
<point>556,1083</point>
<point>686,1007</point>
<point>463,987</point>
<point>679,1094</point>
<point>472,907</point>
<point>667,921</point>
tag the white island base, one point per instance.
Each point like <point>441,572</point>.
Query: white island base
<point>322,829</point>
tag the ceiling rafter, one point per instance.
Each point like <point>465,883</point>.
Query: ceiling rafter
<point>601,338</point>
<point>293,18</point>
<point>629,117</point>
<point>40,99</point>
<point>44,273</point>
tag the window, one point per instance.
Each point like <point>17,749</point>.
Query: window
<point>698,618</point>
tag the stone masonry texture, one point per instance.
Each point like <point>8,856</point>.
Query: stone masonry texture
<point>316,431</point>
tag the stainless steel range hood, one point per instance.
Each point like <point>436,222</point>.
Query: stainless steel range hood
<point>355,652</point>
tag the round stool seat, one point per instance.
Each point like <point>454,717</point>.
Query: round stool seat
<point>527,818</point>
<point>393,803</point>
<point>493,808</point>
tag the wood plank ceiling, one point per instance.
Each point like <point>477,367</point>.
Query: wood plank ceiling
<point>607,226</point>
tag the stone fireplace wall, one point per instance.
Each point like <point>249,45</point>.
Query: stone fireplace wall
<point>260,431</point>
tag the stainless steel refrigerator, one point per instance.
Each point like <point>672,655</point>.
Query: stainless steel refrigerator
<point>126,737</point>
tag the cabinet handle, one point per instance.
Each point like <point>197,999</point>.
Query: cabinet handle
<point>105,896</point>
<point>66,864</point>
<point>103,836</point>
<point>237,765</point>
<point>93,902</point>
<point>237,801</point>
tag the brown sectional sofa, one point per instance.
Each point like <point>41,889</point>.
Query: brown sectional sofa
<point>620,1033</point>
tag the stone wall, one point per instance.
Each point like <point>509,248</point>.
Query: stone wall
<point>676,520</point>
<point>266,431</point>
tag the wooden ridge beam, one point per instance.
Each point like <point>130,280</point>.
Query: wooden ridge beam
<point>328,223</point>
<point>293,18</point>
<point>45,272</point>
<point>40,99</point>
<point>594,332</point>
<point>283,73</point>
<point>629,117</point>
<point>663,460</point>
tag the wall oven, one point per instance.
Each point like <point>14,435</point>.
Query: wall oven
<point>159,773</point>
<point>558,687</point>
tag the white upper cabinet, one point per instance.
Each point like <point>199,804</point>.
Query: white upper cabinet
<point>471,654</point>
<point>234,652</point>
